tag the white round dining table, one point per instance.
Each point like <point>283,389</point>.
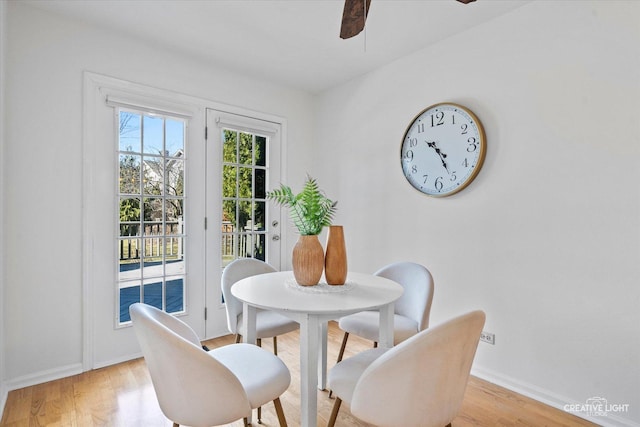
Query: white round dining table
<point>312,307</point>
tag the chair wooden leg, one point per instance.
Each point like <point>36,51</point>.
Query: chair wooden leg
<point>259,343</point>
<point>341,354</point>
<point>275,345</point>
<point>281,419</point>
<point>246,422</point>
<point>176,425</point>
<point>334,412</point>
<point>238,338</point>
<point>343,346</point>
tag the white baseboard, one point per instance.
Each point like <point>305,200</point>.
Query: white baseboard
<point>549,398</point>
<point>104,363</point>
<point>43,376</point>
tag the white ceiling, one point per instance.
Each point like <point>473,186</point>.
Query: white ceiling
<point>291,42</point>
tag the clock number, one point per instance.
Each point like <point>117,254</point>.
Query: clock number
<point>453,176</point>
<point>413,141</point>
<point>437,119</point>
<point>438,183</point>
<point>426,177</point>
<point>408,155</point>
<point>420,127</point>
<point>472,145</point>
<point>464,128</point>
<point>414,169</point>
<point>465,163</point>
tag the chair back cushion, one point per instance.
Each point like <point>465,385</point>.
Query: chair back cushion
<point>192,387</point>
<point>421,381</point>
<point>238,270</point>
<point>415,302</point>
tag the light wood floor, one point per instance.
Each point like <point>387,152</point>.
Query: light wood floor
<point>122,396</point>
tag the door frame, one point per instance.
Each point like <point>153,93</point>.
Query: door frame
<point>95,88</point>
<point>273,128</point>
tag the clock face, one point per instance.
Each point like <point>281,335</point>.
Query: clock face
<point>443,149</point>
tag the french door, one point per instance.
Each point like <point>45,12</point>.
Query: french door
<point>243,163</point>
<point>166,208</point>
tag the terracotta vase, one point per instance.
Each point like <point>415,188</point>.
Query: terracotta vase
<point>308,260</point>
<point>335,261</point>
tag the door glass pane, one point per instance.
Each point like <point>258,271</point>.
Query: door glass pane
<point>245,149</point>
<point>151,236</point>
<point>244,181</point>
<point>261,151</point>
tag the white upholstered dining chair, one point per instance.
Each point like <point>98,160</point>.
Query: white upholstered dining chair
<point>411,310</point>
<point>202,388</point>
<point>418,383</point>
<point>268,323</point>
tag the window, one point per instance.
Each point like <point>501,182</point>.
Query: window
<point>151,236</point>
<point>244,183</point>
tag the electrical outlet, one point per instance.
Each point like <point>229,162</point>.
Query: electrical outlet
<point>488,337</point>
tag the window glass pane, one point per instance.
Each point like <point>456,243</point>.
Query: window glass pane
<point>228,254</point>
<point>261,151</point>
<point>173,256</point>
<point>153,294</point>
<point>129,174</point>
<point>129,216</point>
<point>259,209</point>
<point>260,247</point>
<point>245,245</point>
<point>245,178</point>
<point>129,131</point>
<point>229,182</point>
<point>151,231</point>
<point>245,149</point>
<point>229,148</point>
<point>174,294</point>
<point>174,223</point>
<point>175,138</point>
<point>153,135</point>
<point>245,217</point>
<point>153,175</point>
<point>129,263</point>
<point>244,190</point>
<point>152,215</point>
<point>174,172</point>
<point>129,294</point>
<point>152,257</point>
<point>229,214</point>
<point>260,190</point>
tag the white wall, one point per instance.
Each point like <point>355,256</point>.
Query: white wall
<point>46,57</point>
<point>546,240</point>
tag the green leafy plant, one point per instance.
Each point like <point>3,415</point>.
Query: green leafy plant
<point>310,210</point>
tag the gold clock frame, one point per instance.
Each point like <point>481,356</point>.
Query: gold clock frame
<point>482,144</point>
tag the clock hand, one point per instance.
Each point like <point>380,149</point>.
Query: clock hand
<point>440,153</point>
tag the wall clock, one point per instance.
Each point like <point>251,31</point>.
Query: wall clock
<point>443,149</point>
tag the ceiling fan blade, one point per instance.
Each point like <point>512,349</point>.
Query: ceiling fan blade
<point>354,17</point>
